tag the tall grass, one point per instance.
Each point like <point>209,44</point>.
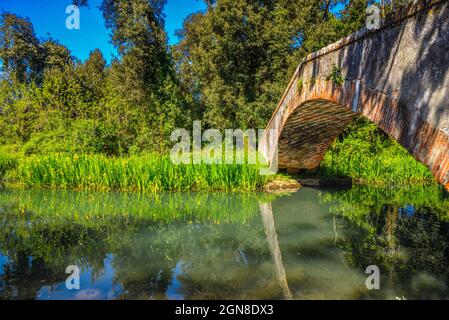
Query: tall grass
<point>368,155</point>
<point>149,173</point>
<point>7,163</point>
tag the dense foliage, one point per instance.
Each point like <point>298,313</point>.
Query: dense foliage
<point>51,101</point>
<point>236,58</point>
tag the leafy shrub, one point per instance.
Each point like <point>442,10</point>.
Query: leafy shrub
<point>83,136</point>
<point>368,155</point>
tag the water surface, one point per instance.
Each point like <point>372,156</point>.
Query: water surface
<point>313,244</point>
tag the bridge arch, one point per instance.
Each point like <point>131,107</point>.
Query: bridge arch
<point>396,76</point>
<point>308,132</point>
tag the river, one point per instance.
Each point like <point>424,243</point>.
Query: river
<point>312,244</point>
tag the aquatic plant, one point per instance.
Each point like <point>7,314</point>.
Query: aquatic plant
<point>148,173</point>
<point>7,163</point>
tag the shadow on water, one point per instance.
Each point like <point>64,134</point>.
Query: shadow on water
<point>313,244</point>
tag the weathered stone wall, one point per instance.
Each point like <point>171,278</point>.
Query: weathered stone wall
<point>397,76</point>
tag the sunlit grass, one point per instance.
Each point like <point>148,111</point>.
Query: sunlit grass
<point>367,155</point>
<point>149,173</point>
<point>7,163</point>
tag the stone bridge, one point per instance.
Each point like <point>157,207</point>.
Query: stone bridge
<point>396,76</point>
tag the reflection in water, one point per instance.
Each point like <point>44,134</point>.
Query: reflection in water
<point>403,231</point>
<point>308,245</point>
<point>173,290</point>
<point>270,230</point>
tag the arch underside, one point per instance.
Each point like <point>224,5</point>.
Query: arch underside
<point>308,133</point>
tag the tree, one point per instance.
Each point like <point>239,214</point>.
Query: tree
<point>237,57</point>
<point>138,33</point>
<point>20,50</point>
<point>354,15</point>
<point>92,75</point>
<point>143,79</point>
<point>56,55</point>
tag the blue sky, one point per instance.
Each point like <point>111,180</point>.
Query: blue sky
<point>48,18</point>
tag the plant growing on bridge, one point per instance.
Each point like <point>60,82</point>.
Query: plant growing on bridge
<point>300,85</point>
<point>335,76</point>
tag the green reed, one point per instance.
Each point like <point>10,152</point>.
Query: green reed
<point>148,173</point>
<point>7,163</point>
